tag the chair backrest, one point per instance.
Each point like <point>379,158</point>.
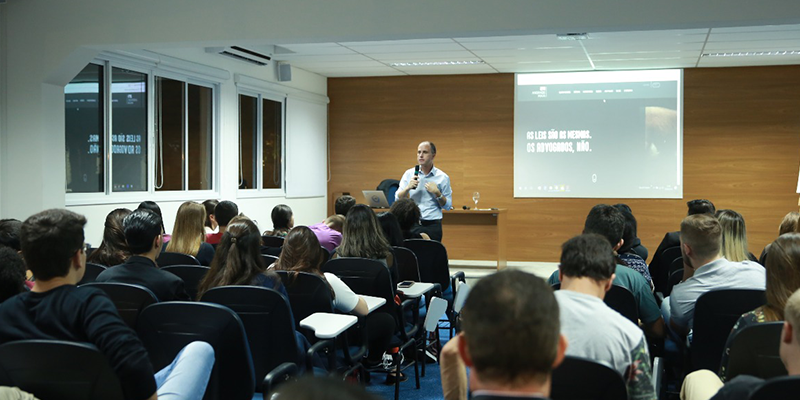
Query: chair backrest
<point>782,388</point>
<point>308,293</point>
<point>715,314</point>
<point>660,270</point>
<point>55,369</point>
<point>407,265</point>
<point>364,276</point>
<point>389,188</point>
<point>129,299</point>
<point>92,270</point>
<point>166,328</point>
<point>168,258</point>
<point>755,351</point>
<point>272,241</point>
<point>582,379</point>
<point>432,259</point>
<point>192,275</point>
<point>622,301</point>
<point>267,320</point>
<point>269,259</point>
<point>676,264</point>
<point>674,279</point>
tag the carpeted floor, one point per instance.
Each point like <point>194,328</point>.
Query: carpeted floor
<point>430,386</point>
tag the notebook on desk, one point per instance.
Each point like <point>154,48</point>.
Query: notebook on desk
<point>375,198</point>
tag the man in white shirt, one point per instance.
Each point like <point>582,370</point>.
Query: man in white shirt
<point>704,270</point>
<point>434,194</point>
<point>593,329</point>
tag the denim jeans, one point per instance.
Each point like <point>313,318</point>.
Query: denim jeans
<point>187,377</point>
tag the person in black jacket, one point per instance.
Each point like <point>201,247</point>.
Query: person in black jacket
<point>54,249</point>
<point>143,233</point>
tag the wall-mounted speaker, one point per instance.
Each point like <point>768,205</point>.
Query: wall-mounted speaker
<point>284,72</point>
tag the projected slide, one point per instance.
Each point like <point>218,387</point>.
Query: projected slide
<point>615,134</point>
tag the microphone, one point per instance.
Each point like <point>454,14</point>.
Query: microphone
<point>416,170</point>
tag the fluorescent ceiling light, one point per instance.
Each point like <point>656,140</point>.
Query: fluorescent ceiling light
<point>572,36</point>
<point>435,63</point>
<point>754,53</point>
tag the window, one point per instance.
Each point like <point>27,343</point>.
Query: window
<point>184,145</point>
<point>85,141</point>
<point>260,142</point>
<point>128,131</point>
<point>109,110</point>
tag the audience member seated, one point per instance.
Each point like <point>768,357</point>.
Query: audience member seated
<point>12,273</point>
<point>510,339</point>
<point>704,384</point>
<point>238,261</point>
<point>609,223</point>
<point>301,253</point>
<point>673,239</point>
<point>631,244</point>
<point>363,237</point>
<point>391,229</point>
<point>9,237</point>
<point>783,279</point>
<point>594,330</point>
<point>634,245</point>
<point>142,230</point>
<point>189,236</point>
<point>408,215</point>
<point>789,224</point>
<point>113,250</point>
<point>344,204</point>
<point>9,233</point>
<point>54,249</point>
<point>734,237</point>
<point>152,206</point>
<point>223,213</point>
<point>704,270</point>
<point>329,232</point>
<point>282,221</point>
<point>211,220</point>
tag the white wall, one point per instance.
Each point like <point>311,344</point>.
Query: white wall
<point>44,43</point>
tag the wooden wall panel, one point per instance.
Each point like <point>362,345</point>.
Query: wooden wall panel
<point>741,150</point>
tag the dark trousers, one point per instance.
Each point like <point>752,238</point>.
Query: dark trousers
<point>433,227</point>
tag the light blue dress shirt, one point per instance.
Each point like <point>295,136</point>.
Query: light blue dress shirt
<point>428,205</point>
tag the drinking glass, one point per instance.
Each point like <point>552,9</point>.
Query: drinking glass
<point>475,197</point>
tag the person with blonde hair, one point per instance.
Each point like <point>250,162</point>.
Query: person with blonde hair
<point>783,279</point>
<point>734,236</point>
<point>705,385</point>
<point>189,235</point>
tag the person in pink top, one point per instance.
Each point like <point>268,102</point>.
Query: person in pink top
<point>329,232</point>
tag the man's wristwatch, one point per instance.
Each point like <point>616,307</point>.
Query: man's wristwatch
<point>441,196</point>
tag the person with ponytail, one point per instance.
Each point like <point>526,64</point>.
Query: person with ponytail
<point>238,261</point>
<point>114,249</point>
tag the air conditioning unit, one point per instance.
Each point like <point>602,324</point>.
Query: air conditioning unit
<point>242,54</point>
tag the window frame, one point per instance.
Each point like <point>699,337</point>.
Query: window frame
<point>151,69</point>
<point>260,191</point>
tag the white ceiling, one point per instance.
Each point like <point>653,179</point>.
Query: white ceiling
<point>545,53</point>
